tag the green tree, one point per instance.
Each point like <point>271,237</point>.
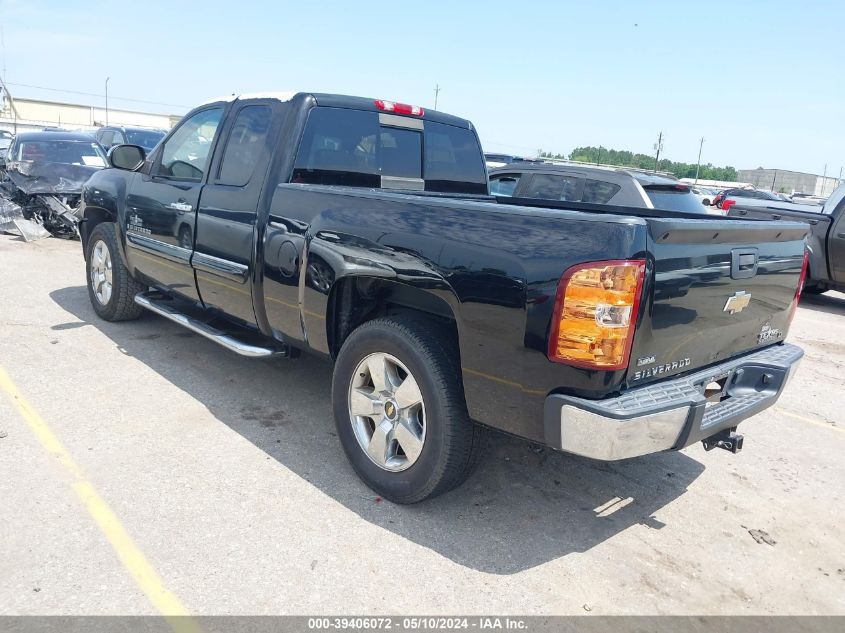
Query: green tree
<point>625,158</point>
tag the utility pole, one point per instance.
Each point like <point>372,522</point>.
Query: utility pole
<point>698,165</point>
<point>598,157</point>
<point>824,179</point>
<point>107,100</point>
<point>436,94</point>
<point>774,177</point>
<point>658,146</point>
<point>11,104</point>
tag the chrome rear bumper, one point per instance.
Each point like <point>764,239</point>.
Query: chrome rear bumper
<point>670,414</point>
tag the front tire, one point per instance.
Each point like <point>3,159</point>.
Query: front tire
<point>111,288</point>
<point>399,409</point>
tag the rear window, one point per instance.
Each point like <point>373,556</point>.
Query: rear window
<point>144,138</point>
<point>352,148</point>
<point>673,200</point>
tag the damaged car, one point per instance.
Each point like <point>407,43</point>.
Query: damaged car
<point>42,178</point>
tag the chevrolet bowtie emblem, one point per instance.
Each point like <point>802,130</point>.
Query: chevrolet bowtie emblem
<point>737,302</point>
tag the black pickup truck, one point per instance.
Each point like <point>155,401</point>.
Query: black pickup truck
<point>362,230</point>
<point>826,242</point>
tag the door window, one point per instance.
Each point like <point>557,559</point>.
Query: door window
<point>247,138</point>
<point>504,184</point>
<point>185,154</point>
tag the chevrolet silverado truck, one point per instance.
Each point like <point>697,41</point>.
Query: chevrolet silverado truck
<point>826,242</point>
<point>361,230</point>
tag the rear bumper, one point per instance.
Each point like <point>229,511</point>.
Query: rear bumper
<point>670,414</point>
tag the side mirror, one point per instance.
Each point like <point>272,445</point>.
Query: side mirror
<point>127,157</point>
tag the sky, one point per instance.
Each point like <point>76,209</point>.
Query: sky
<point>762,82</point>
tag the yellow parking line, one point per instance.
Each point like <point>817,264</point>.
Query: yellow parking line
<point>804,418</point>
<point>130,555</point>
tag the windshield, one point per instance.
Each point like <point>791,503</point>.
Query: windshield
<point>67,152</point>
<point>145,138</point>
<point>671,200</point>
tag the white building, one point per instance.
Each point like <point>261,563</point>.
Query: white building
<point>34,114</point>
<point>790,181</point>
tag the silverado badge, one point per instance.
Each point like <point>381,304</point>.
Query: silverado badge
<point>737,302</point>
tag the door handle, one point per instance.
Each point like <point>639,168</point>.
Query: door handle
<point>841,235</point>
<point>743,212</point>
<point>775,217</point>
<point>180,206</point>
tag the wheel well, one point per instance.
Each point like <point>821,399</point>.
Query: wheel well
<point>93,217</point>
<point>355,300</point>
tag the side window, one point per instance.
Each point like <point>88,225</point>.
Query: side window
<point>503,184</point>
<point>105,138</point>
<point>118,138</point>
<point>185,154</point>
<point>247,138</point>
<point>553,187</point>
<point>598,191</point>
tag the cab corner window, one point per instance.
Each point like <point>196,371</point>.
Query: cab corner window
<point>185,154</point>
<point>243,148</point>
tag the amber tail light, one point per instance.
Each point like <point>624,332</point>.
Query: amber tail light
<point>595,314</point>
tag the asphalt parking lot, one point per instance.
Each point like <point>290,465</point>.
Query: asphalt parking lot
<point>144,469</point>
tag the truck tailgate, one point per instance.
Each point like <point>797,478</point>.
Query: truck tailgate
<point>721,288</point>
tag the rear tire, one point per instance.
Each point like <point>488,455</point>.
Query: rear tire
<point>111,288</point>
<point>440,451</point>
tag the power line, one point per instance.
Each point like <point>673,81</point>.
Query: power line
<point>94,94</point>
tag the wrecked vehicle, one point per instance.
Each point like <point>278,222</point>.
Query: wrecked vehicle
<point>42,178</point>
<point>5,140</point>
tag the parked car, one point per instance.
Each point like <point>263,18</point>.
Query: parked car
<point>595,185</point>
<point>705,194</point>
<point>746,193</point>
<point>826,268</point>
<point>499,160</point>
<point>808,198</point>
<point>362,231</point>
<point>147,138</point>
<point>761,199</point>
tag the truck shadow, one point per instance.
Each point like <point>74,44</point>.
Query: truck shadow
<point>523,506</point>
<point>829,302</point>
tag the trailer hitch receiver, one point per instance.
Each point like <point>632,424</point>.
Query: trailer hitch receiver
<point>727,439</point>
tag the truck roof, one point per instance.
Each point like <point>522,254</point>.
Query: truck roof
<point>342,101</point>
